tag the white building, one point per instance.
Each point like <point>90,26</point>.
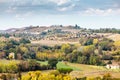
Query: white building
<point>113,66</point>
<point>11,55</point>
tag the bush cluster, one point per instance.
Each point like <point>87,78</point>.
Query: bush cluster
<point>65,70</point>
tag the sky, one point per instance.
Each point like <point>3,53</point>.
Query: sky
<point>85,13</point>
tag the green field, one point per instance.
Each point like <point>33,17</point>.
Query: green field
<point>65,65</point>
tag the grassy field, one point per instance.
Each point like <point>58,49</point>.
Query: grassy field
<point>64,65</point>
<point>91,70</point>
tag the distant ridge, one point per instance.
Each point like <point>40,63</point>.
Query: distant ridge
<point>39,29</point>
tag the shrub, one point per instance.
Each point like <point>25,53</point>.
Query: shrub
<point>10,67</point>
<point>107,76</point>
<point>44,67</point>
<point>52,62</point>
<point>65,70</point>
<point>24,41</point>
<point>107,57</point>
<point>43,76</point>
<point>3,77</point>
<point>23,66</point>
<point>7,76</point>
<point>109,62</point>
<point>32,65</point>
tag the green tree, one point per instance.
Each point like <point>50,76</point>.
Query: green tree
<point>106,44</point>
<point>89,42</point>
<point>94,60</point>
<point>82,59</point>
<point>24,41</point>
<point>88,50</point>
<point>52,62</point>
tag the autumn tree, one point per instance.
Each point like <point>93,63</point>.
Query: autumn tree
<point>66,48</point>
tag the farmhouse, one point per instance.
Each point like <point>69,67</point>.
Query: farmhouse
<point>113,66</point>
<point>11,55</point>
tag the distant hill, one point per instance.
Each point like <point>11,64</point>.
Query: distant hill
<point>11,30</point>
<point>2,31</point>
<point>40,29</point>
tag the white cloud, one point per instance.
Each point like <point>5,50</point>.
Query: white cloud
<point>11,9</point>
<point>66,8</point>
<point>100,12</point>
<point>17,16</point>
<point>39,2</point>
<point>62,9</point>
<point>60,2</point>
<point>23,16</point>
<point>5,1</point>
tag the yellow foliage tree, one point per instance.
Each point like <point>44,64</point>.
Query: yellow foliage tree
<point>95,41</point>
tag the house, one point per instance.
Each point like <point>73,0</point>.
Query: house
<point>11,55</point>
<point>113,66</point>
